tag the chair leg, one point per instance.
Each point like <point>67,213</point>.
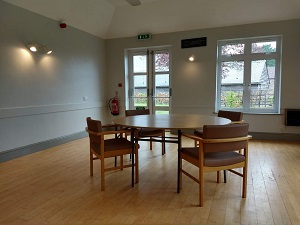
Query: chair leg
<point>121,162</point>
<point>102,174</point>
<point>136,164</point>
<point>244,194</point>
<point>163,144</point>
<point>201,187</point>
<point>91,163</point>
<point>218,176</point>
<point>224,176</point>
<point>116,161</point>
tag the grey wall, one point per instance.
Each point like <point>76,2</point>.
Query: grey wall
<point>41,96</point>
<point>194,82</point>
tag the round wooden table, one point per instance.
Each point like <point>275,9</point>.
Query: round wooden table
<point>168,121</point>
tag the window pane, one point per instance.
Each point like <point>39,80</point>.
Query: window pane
<point>139,81</point>
<point>162,101</point>
<point>232,80</point>
<point>140,102</point>
<point>262,83</point>
<point>162,90</point>
<point>140,90</point>
<point>161,112</point>
<point>161,62</point>
<point>233,49</point>
<point>162,85</point>
<point>263,47</point>
<point>139,63</point>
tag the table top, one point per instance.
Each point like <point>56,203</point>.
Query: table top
<point>171,121</point>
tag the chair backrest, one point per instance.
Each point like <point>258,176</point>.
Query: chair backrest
<point>137,112</point>
<point>225,132</point>
<point>95,126</point>
<point>232,115</point>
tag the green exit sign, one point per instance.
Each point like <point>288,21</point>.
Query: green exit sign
<point>144,36</point>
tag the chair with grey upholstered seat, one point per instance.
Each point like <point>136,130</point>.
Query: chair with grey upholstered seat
<point>217,151</point>
<point>234,116</point>
<point>102,147</point>
<point>148,132</point>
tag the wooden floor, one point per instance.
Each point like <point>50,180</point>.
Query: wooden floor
<point>54,187</point>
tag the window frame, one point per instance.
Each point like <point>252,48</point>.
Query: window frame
<point>248,57</point>
<point>150,76</point>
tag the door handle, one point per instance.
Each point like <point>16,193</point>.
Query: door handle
<point>151,92</point>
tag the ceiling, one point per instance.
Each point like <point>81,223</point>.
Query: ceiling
<point>116,18</point>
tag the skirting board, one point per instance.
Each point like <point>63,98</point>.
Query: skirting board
<point>29,149</point>
<point>264,136</point>
<point>275,136</point>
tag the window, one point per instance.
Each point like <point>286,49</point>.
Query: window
<point>248,75</point>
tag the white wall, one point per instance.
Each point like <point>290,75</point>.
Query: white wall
<point>41,96</point>
<point>194,82</point>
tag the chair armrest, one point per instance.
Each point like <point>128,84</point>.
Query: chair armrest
<point>109,125</point>
<point>112,126</point>
<point>237,122</point>
<point>196,138</point>
<point>224,140</point>
<point>107,132</point>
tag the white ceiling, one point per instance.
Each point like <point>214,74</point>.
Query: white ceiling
<point>116,18</point>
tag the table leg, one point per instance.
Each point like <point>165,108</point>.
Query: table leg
<point>116,136</point>
<point>132,155</point>
<point>178,167</point>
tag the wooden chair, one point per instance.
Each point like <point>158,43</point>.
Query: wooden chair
<point>102,148</point>
<point>148,132</point>
<point>235,117</point>
<point>217,151</point>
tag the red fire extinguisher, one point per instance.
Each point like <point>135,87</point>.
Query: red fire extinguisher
<point>113,104</point>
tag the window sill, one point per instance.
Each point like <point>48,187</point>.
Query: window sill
<point>262,114</point>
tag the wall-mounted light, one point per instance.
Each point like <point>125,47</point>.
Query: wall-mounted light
<point>32,48</point>
<point>191,58</point>
<point>39,48</point>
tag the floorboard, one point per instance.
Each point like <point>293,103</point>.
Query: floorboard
<point>54,187</point>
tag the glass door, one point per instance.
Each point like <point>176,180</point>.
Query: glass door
<point>149,80</point>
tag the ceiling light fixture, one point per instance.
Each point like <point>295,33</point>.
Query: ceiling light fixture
<point>134,2</point>
<point>39,48</point>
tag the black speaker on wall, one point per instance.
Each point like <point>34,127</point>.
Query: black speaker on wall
<point>292,117</point>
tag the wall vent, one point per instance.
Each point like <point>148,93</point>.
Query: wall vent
<point>194,42</point>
